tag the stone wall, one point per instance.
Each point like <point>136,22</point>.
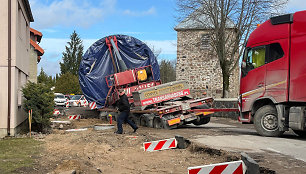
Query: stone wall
<point>197,64</point>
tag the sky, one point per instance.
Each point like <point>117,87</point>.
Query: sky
<point>151,21</point>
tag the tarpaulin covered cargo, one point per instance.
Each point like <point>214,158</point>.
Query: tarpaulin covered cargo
<point>97,63</point>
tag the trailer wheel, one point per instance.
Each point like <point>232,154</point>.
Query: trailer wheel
<point>201,120</point>
<point>157,123</point>
<point>147,120</point>
<point>143,121</point>
<point>300,133</point>
<point>266,121</point>
<point>166,125</point>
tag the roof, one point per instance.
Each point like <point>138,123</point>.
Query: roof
<point>28,10</point>
<point>199,22</point>
<point>37,48</point>
<point>36,33</point>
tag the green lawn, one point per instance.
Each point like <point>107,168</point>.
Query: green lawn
<point>17,153</point>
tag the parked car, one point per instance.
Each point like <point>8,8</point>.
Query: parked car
<point>59,99</point>
<point>77,100</point>
<point>67,97</point>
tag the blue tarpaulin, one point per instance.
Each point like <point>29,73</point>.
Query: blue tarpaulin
<point>96,64</point>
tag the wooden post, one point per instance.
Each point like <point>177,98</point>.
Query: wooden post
<point>30,122</point>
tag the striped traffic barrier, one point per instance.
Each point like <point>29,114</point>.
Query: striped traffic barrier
<point>93,105</point>
<point>85,103</point>
<point>160,145</point>
<point>74,117</point>
<point>234,167</point>
<point>67,104</point>
<point>56,112</point>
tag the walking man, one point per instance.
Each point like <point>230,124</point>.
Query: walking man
<point>124,108</point>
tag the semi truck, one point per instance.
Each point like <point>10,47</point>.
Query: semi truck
<point>273,76</point>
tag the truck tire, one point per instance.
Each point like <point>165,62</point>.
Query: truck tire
<point>300,133</point>
<point>147,120</point>
<point>143,121</point>
<point>166,125</point>
<point>266,121</point>
<point>157,123</point>
<point>201,120</point>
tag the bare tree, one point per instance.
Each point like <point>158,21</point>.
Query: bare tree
<point>230,23</point>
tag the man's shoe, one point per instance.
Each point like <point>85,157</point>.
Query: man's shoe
<point>135,129</point>
<point>118,132</point>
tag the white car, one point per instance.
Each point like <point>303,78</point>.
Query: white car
<point>77,100</point>
<point>60,99</point>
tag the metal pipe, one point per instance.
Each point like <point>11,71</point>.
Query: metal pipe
<point>9,69</point>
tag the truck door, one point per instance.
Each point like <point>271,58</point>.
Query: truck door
<point>277,70</point>
<point>252,83</point>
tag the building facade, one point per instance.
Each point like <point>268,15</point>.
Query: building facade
<point>15,18</point>
<point>35,54</point>
<point>198,63</point>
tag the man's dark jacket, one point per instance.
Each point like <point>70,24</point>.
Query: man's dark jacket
<point>123,104</point>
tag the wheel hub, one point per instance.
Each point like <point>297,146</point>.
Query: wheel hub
<point>269,122</point>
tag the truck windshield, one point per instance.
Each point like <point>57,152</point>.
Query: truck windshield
<point>76,97</point>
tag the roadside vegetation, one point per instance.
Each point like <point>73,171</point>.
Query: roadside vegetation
<point>40,99</point>
<point>16,154</point>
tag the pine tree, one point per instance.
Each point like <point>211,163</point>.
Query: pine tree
<point>43,78</point>
<point>167,71</point>
<point>73,55</point>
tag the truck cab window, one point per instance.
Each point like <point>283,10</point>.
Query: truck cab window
<point>275,52</point>
<point>253,58</point>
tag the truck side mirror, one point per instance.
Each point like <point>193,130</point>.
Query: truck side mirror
<point>243,65</point>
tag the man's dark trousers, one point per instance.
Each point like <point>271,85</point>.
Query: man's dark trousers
<point>124,117</point>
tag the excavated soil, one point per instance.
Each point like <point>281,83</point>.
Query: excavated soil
<point>103,151</point>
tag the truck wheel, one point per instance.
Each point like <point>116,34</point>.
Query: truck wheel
<point>147,119</point>
<point>266,121</point>
<point>143,121</point>
<point>165,124</point>
<point>201,120</point>
<point>157,123</point>
<point>300,133</point>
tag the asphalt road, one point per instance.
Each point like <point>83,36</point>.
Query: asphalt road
<point>246,139</point>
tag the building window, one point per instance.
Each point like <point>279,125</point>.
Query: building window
<point>205,41</point>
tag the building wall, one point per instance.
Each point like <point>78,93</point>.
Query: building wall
<point>20,63</point>
<point>33,65</point>
<point>197,64</point>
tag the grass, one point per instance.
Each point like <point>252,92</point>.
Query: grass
<point>17,153</point>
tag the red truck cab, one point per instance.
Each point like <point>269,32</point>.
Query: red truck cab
<point>273,76</point>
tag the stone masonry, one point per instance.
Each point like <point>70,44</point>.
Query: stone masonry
<point>199,65</point>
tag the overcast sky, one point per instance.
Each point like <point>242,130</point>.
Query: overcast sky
<point>151,21</point>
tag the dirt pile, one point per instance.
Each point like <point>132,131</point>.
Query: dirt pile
<point>103,151</point>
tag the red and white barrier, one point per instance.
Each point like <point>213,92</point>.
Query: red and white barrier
<point>93,105</point>
<point>85,103</point>
<point>235,167</point>
<point>67,104</point>
<point>56,112</point>
<point>74,117</point>
<point>160,145</point>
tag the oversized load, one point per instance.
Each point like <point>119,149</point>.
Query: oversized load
<point>101,60</point>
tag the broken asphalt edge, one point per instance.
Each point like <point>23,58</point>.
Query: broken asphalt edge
<point>251,164</point>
